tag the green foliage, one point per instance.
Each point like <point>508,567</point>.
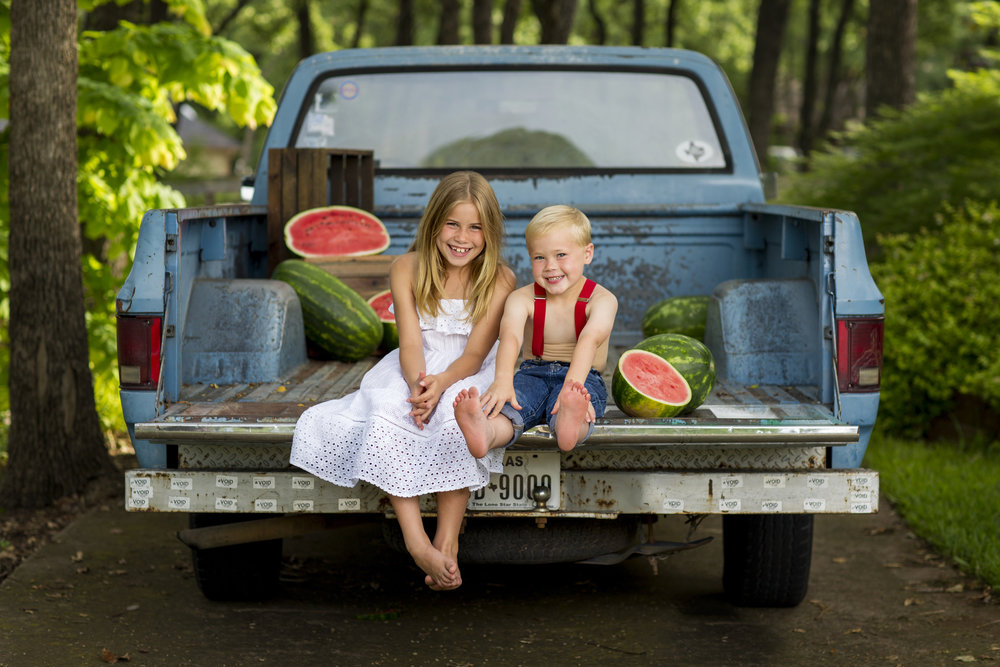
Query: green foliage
<point>130,80</point>
<point>897,170</point>
<point>941,292</point>
<point>948,495</point>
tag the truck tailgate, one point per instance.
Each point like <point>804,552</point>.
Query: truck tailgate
<point>732,415</point>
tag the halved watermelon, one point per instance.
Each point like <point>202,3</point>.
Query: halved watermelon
<point>390,334</point>
<point>335,231</point>
<point>647,385</point>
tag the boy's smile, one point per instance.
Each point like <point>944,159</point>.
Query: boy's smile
<point>557,260</point>
<point>461,237</point>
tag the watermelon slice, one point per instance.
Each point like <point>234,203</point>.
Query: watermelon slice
<point>647,385</point>
<point>390,334</point>
<point>335,231</point>
<point>689,357</point>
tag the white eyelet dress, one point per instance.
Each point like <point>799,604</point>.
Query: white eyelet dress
<point>369,435</point>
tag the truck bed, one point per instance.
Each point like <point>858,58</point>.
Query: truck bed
<point>733,415</point>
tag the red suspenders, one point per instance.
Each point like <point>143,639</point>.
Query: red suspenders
<point>580,315</point>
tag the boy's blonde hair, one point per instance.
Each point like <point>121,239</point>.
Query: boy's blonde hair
<point>461,186</point>
<point>556,217</point>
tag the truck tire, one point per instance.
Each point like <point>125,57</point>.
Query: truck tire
<point>239,571</point>
<point>766,559</point>
<point>522,541</point>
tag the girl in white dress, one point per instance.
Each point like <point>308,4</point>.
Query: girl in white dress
<point>398,431</point>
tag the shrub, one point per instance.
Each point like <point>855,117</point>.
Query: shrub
<point>942,296</point>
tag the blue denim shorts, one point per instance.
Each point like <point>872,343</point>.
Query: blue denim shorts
<point>537,384</point>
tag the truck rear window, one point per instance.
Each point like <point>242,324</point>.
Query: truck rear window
<point>516,119</point>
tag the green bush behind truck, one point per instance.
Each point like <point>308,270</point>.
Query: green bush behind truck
<point>652,146</point>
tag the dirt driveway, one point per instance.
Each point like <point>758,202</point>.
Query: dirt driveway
<point>122,584</point>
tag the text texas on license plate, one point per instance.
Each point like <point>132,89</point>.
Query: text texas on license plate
<point>522,472</point>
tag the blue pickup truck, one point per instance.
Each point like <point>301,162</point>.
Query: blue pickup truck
<point>651,144</point>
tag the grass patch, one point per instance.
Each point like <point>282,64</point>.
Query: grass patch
<point>948,494</point>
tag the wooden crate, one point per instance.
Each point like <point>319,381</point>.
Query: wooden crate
<point>302,178</point>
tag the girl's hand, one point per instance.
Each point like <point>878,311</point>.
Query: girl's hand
<point>425,398</point>
<point>496,396</point>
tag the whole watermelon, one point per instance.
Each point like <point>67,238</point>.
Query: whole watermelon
<point>337,320</point>
<point>690,358</point>
<point>678,314</point>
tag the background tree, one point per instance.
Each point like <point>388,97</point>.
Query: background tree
<point>482,21</point>
<point>405,23</point>
<point>511,13</point>
<point>810,84</point>
<point>448,22</point>
<point>670,24</point>
<point>771,19</point>
<point>638,21</point>
<point>56,447</point>
<point>833,68</point>
<point>891,51</point>
<point>556,19</point>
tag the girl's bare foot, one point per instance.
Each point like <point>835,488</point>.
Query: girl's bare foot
<point>442,571</point>
<point>472,421</point>
<point>450,552</point>
<point>574,400</point>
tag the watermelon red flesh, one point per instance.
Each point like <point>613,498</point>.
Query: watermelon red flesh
<point>689,357</point>
<point>381,303</point>
<point>646,385</point>
<point>390,333</point>
<point>335,231</point>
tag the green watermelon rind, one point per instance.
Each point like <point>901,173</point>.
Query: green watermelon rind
<point>336,319</point>
<point>678,314</point>
<point>689,357</point>
<point>298,219</point>
<point>634,402</point>
<point>390,332</point>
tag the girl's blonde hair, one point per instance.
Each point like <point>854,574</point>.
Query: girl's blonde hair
<point>461,186</point>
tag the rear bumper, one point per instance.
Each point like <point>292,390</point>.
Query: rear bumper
<point>583,493</point>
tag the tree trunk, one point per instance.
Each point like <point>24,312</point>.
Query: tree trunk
<point>228,18</point>
<point>771,20</point>
<point>404,24</point>
<point>809,83</point>
<point>359,23</point>
<point>638,21</point>
<point>891,54</point>
<point>482,21</point>
<point>600,25</point>
<point>307,39</point>
<point>556,17</point>
<point>833,68</point>
<point>671,25</point>
<point>511,12</point>
<point>55,443</point>
<point>448,24</point>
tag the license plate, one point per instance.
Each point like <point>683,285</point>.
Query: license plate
<point>512,489</point>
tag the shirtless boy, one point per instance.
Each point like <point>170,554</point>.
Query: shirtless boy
<point>564,321</point>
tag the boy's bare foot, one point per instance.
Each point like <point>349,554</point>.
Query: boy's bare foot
<point>574,399</point>
<point>442,571</point>
<point>472,421</point>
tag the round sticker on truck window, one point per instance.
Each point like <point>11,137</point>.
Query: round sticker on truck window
<point>694,152</point>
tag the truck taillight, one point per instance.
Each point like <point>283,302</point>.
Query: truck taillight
<point>859,354</point>
<point>139,351</point>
